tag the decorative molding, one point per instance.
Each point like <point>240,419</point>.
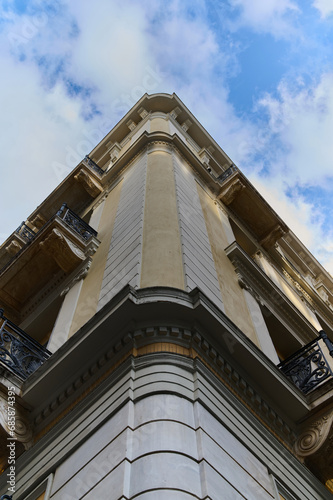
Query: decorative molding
<point>314,446</point>
<point>137,342</point>
<point>62,250</point>
<point>114,152</point>
<point>300,289</point>
<point>131,125</point>
<point>92,187</point>
<point>186,125</point>
<point>204,156</point>
<point>80,276</point>
<point>245,285</point>
<point>313,438</point>
<point>175,112</point>
<point>22,431</point>
<point>254,277</point>
<point>143,112</point>
<point>271,238</point>
<point>38,221</point>
<point>159,146</point>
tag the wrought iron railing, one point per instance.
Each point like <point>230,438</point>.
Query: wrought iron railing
<point>19,353</point>
<point>227,173</point>
<point>75,222</point>
<point>88,161</point>
<point>310,366</point>
<point>25,232</point>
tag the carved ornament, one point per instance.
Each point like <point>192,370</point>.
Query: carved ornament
<point>229,194</point>
<point>271,238</point>
<point>22,431</point>
<point>186,125</point>
<point>38,221</point>
<point>92,187</point>
<point>315,446</point>
<point>13,248</point>
<point>175,112</point>
<point>143,112</point>
<point>131,125</point>
<point>114,152</point>
<point>62,250</point>
<point>80,276</point>
<point>244,284</point>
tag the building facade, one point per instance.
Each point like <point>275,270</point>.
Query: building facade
<point>163,333</point>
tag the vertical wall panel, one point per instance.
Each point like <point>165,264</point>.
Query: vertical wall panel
<point>197,254</point>
<point>162,263</point>
<point>124,257</point>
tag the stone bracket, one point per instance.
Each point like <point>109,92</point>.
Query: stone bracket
<point>62,250</point>
<point>315,446</point>
<point>92,187</point>
<point>229,194</point>
<point>21,430</point>
<point>269,240</point>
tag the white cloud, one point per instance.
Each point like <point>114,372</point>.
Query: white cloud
<point>269,16</point>
<point>39,124</point>
<point>301,217</point>
<point>302,120</point>
<point>325,7</point>
<point>109,54</point>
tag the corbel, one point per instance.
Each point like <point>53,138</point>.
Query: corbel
<point>92,187</point>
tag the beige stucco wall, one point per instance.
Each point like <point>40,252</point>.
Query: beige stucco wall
<point>161,248</point>
<point>232,295</point>
<point>88,300</point>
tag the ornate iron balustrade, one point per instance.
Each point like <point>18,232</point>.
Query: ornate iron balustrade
<point>309,366</point>
<point>25,232</point>
<point>88,161</point>
<point>227,173</point>
<point>19,353</point>
<point>75,222</point>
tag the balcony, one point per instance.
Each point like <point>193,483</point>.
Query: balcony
<point>249,206</point>
<point>311,366</point>
<point>19,353</point>
<point>88,161</point>
<point>42,259</point>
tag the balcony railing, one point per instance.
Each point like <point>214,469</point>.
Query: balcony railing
<point>310,366</point>
<point>88,161</point>
<point>25,232</point>
<point>19,353</point>
<point>75,222</point>
<point>227,173</point>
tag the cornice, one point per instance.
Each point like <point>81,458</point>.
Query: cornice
<point>310,294</point>
<point>250,274</point>
<point>150,341</point>
<point>203,331</point>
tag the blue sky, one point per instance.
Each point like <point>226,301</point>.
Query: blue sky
<point>257,74</point>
